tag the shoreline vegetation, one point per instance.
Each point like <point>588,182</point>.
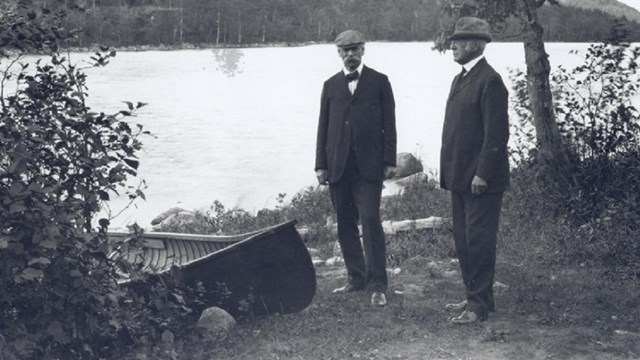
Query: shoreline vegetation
<point>117,23</point>
<point>212,46</point>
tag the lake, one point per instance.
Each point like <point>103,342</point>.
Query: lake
<point>239,125</point>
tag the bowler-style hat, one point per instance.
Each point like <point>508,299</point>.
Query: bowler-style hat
<point>470,28</point>
<point>349,37</point>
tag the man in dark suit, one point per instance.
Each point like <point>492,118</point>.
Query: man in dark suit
<point>474,165</point>
<point>355,152</point>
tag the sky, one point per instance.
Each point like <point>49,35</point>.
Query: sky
<point>632,3</point>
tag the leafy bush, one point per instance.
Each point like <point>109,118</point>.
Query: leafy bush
<point>59,162</point>
<point>595,221</point>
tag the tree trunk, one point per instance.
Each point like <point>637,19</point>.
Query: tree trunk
<point>264,28</point>
<point>218,27</point>
<point>551,149</point>
<point>181,24</point>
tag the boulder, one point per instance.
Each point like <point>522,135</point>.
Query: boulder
<point>407,164</point>
<point>216,322</point>
<point>169,213</point>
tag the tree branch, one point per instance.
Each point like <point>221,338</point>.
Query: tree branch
<point>510,36</point>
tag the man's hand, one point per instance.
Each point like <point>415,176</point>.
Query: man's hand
<point>389,171</point>
<point>321,174</point>
<point>478,185</point>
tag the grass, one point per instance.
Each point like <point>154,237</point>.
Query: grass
<point>554,300</point>
<point>544,319</point>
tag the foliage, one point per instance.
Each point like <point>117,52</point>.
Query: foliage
<point>59,161</point>
<point>242,22</point>
<point>311,208</point>
<point>216,220</point>
<point>601,126</point>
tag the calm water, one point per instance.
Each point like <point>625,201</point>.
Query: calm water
<point>238,125</point>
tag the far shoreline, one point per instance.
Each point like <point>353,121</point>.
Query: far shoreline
<point>205,46</point>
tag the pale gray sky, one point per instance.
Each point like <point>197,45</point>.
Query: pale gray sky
<point>632,3</point>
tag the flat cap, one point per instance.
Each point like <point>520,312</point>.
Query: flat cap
<point>471,28</point>
<point>349,37</point>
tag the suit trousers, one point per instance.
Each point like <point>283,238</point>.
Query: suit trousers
<point>356,199</point>
<point>475,231</point>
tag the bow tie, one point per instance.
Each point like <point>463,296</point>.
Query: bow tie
<point>352,76</point>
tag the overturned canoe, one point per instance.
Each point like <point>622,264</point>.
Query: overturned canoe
<point>259,273</point>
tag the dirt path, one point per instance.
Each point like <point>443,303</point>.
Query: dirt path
<point>414,326</point>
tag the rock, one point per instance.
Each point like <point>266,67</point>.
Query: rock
<point>177,220</point>
<point>499,288</point>
<point>410,290</point>
<point>626,333</point>
<point>450,274</point>
<point>317,262</point>
<point>394,271</point>
<point>216,322</point>
<point>334,261</point>
<point>162,217</point>
<point>407,164</point>
<point>167,337</point>
<point>303,231</point>
<point>313,252</point>
<point>337,251</point>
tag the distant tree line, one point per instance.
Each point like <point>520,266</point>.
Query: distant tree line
<point>250,22</point>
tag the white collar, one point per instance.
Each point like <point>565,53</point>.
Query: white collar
<point>359,69</point>
<point>471,63</point>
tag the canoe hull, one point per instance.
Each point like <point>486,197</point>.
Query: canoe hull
<point>267,273</point>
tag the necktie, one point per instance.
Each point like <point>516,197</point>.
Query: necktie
<point>352,76</point>
<point>460,76</point>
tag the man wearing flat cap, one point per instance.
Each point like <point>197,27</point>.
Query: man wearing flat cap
<point>474,165</point>
<point>355,152</point>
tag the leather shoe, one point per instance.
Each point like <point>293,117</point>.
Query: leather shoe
<point>346,289</point>
<point>378,299</point>
<point>468,317</point>
<point>456,306</point>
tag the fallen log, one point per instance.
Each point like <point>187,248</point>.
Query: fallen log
<point>394,227</point>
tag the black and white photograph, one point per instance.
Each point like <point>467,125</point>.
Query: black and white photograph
<point>319,180</point>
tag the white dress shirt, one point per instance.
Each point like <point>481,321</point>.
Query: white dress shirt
<point>470,64</point>
<point>354,84</point>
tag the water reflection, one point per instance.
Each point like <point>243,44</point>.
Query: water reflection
<point>229,61</point>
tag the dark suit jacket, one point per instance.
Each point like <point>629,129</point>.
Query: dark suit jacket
<point>476,132</point>
<point>364,122</point>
